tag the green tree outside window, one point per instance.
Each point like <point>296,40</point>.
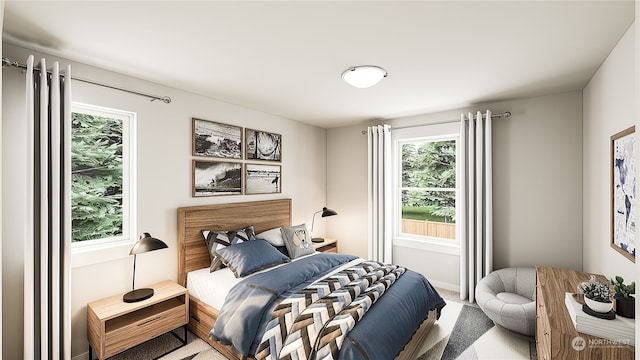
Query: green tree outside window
<point>97,177</point>
<point>429,181</point>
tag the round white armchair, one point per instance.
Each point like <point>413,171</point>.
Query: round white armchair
<point>507,297</point>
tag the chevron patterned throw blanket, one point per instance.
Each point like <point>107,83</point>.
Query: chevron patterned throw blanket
<point>313,322</point>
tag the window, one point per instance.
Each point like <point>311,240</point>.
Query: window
<point>102,176</point>
<point>425,187</point>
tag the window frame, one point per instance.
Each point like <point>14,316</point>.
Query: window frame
<point>99,250</point>
<point>433,133</point>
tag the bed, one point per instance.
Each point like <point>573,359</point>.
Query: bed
<point>194,256</point>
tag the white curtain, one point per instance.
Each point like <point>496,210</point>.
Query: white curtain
<point>476,219</point>
<point>380,206</point>
<point>47,306</point>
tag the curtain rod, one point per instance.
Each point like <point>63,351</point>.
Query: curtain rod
<point>505,114</point>
<point>165,99</point>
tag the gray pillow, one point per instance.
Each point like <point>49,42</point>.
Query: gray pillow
<point>297,240</point>
<point>250,256</point>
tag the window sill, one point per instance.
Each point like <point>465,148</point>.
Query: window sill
<point>433,246</point>
<point>91,255</point>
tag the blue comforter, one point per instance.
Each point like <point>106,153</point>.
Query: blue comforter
<point>249,305</point>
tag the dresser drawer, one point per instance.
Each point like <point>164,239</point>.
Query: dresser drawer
<point>543,337</point>
<point>543,330</point>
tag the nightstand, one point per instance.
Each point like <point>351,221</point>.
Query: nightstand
<point>328,245</point>
<point>114,326</point>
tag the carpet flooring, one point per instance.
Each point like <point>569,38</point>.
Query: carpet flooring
<point>463,332</point>
<point>163,344</point>
<point>470,326</point>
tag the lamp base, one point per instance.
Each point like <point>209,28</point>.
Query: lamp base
<point>317,240</point>
<point>137,295</point>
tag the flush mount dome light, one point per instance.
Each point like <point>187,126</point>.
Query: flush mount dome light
<point>363,76</point>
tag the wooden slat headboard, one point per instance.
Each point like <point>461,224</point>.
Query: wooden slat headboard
<point>192,250</point>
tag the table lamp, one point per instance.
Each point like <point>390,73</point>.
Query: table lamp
<point>325,212</point>
<point>145,244</point>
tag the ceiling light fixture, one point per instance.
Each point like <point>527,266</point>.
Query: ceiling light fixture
<point>364,76</point>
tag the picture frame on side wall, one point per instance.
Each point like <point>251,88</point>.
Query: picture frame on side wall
<point>263,179</point>
<point>213,139</point>
<point>214,178</point>
<point>262,145</point>
<point>623,193</point>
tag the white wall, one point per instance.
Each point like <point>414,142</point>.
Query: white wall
<point>610,106</point>
<point>163,184</point>
<point>347,179</point>
<point>537,187</point>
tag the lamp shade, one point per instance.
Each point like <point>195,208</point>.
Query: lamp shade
<point>328,212</point>
<point>146,244</point>
<point>363,76</point>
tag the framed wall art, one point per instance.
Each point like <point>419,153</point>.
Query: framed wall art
<point>211,178</point>
<point>623,193</point>
<point>263,179</point>
<point>216,140</point>
<point>262,145</point>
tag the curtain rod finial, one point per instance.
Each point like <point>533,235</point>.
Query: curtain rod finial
<point>164,99</point>
<point>6,62</point>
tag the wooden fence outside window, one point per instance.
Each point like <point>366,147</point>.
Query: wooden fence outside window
<point>429,228</point>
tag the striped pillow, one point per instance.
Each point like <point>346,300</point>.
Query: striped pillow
<point>217,240</point>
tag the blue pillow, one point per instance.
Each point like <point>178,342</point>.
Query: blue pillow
<point>250,256</point>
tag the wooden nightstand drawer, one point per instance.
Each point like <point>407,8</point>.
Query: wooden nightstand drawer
<point>114,325</point>
<point>328,245</point>
<point>146,323</point>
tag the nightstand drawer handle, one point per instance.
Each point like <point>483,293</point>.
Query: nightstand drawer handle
<point>196,319</point>
<point>150,320</point>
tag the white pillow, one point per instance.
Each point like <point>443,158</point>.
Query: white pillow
<point>273,237</point>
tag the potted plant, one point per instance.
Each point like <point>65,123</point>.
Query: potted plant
<point>598,296</point>
<point>625,303</point>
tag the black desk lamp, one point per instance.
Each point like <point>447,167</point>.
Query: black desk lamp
<point>145,244</point>
<point>325,212</point>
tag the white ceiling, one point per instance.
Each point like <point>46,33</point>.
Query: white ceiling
<point>286,58</point>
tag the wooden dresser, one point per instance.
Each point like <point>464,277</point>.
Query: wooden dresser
<point>555,333</point>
